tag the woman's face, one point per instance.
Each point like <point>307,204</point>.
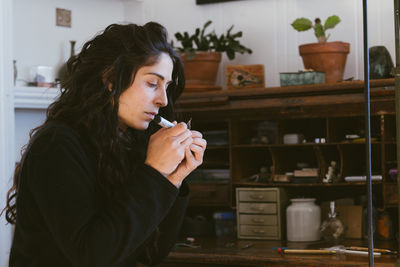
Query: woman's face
<point>142,100</point>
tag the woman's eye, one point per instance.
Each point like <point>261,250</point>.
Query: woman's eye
<point>153,85</point>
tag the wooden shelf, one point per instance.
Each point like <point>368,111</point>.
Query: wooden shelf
<point>327,111</point>
<point>237,184</point>
<point>301,145</point>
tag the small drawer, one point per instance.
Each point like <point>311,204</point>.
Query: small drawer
<point>264,208</point>
<point>258,231</point>
<point>257,195</point>
<point>258,219</point>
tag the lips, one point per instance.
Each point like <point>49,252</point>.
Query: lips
<point>151,115</point>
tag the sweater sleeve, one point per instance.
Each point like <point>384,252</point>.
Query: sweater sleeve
<point>158,248</point>
<point>63,186</point>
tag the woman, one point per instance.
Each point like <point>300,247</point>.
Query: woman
<point>99,184</point>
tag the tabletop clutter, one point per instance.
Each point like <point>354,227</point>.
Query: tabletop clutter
<point>267,213</point>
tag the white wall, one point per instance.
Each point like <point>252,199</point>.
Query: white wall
<point>38,41</point>
<point>265,24</point>
<point>6,123</point>
<point>266,28</point>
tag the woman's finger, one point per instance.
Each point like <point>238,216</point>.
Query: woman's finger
<point>196,148</point>
<point>187,142</point>
<point>184,136</point>
<point>196,134</point>
<point>190,158</point>
<point>178,129</point>
<point>200,142</point>
<point>198,153</point>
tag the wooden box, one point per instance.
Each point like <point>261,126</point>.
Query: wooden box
<point>244,76</point>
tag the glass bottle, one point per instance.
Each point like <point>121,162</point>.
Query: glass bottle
<point>332,229</point>
<point>15,71</point>
<point>62,72</point>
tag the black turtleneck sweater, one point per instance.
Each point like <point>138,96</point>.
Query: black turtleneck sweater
<point>62,222</point>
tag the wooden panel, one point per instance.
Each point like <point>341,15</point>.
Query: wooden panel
<point>390,193</point>
<point>208,194</point>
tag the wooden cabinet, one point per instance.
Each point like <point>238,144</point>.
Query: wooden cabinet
<point>249,126</point>
<point>260,213</point>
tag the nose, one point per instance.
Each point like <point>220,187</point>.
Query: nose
<point>162,98</point>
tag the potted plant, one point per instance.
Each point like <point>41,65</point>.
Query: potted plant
<point>201,53</point>
<point>328,57</point>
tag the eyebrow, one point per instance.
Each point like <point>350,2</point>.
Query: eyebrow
<point>160,76</point>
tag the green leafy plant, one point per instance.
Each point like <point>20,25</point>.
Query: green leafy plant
<point>202,41</point>
<point>303,24</point>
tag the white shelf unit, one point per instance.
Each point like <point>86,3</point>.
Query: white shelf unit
<point>29,97</point>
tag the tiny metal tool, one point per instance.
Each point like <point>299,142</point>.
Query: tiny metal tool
<point>167,124</point>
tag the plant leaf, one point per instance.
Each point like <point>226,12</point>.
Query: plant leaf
<point>178,36</point>
<point>302,24</point>
<point>331,22</point>
<point>205,26</point>
<point>230,53</point>
<point>319,30</point>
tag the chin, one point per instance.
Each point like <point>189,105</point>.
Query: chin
<point>142,126</point>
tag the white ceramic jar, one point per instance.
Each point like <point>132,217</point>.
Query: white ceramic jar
<point>303,219</point>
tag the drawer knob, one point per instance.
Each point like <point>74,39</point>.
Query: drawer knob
<point>258,220</point>
<point>256,231</point>
<point>256,196</point>
<point>257,208</point>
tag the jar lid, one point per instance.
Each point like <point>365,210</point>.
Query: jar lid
<point>302,200</point>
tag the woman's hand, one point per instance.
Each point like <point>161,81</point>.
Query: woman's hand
<point>193,158</point>
<point>167,147</point>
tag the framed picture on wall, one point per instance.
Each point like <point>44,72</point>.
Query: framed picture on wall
<point>203,2</point>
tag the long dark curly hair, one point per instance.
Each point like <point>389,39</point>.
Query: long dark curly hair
<point>88,105</point>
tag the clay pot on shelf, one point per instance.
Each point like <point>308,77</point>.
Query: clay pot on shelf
<point>329,57</point>
<point>202,69</point>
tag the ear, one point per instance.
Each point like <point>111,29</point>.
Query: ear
<point>110,86</point>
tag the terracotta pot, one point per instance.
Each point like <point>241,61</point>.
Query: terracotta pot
<point>327,57</point>
<point>202,69</point>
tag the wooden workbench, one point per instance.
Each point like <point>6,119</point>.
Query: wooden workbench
<point>224,252</point>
